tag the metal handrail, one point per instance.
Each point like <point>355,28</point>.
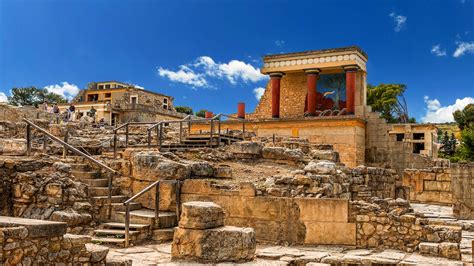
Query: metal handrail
<point>155,184</point>
<point>30,124</point>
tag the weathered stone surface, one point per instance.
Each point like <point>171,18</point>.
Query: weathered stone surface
<point>321,167</point>
<point>214,245</point>
<point>98,253</point>
<point>151,165</point>
<point>246,149</point>
<point>282,154</point>
<point>450,250</point>
<point>201,169</point>
<point>12,146</point>
<point>36,228</point>
<point>71,217</point>
<point>201,215</point>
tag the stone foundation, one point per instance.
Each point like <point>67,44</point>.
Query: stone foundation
<point>428,185</point>
<point>201,236</point>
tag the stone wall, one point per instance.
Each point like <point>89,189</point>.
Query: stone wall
<point>34,242</point>
<point>277,219</point>
<point>392,224</point>
<point>41,188</point>
<point>428,185</point>
<point>16,114</point>
<point>347,135</point>
<point>462,176</point>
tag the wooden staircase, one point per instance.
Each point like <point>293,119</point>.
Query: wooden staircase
<point>143,224</point>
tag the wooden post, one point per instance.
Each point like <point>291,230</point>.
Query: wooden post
<point>45,142</point>
<point>115,144</point>
<point>126,136</point>
<point>149,138</point>
<point>219,132</point>
<point>66,136</point>
<point>211,133</point>
<point>127,225</point>
<point>180,132</point>
<point>178,199</point>
<point>161,134</point>
<point>157,205</point>
<point>243,130</point>
<point>28,139</point>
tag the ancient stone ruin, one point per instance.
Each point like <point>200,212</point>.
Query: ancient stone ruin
<point>282,186</point>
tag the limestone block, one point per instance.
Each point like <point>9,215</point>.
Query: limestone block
<point>280,153</point>
<point>201,215</point>
<point>223,171</point>
<point>450,250</point>
<point>318,233</point>
<point>328,155</point>
<point>98,253</point>
<point>151,165</point>
<point>13,146</point>
<point>246,148</point>
<point>321,167</point>
<point>201,169</point>
<point>226,243</point>
<point>429,248</point>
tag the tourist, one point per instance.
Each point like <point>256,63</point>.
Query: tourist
<point>71,112</point>
<point>45,106</point>
<point>92,113</point>
<point>55,109</point>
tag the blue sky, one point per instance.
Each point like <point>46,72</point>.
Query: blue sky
<point>207,54</point>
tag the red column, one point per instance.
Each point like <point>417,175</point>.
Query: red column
<point>350,89</point>
<point>241,110</point>
<point>312,76</point>
<point>275,82</point>
<point>209,114</point>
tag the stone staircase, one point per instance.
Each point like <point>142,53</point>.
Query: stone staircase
<point>143,224</point>
<point>201,141</point>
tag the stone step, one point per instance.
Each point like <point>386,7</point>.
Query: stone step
<point>99,182</point>
<point>163,235</point>
<point>121,207</point>
<point>114,232</point>
<point>102,200</point>
<point>122,226</point>
<point>86,174</point>
<point>109,240</point>
<point>79,167</point>
<point>147,216</point>
<point>103,191</point>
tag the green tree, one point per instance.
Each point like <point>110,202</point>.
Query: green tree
<point>201,113</point>
<point>389,101</point>
<point>466,151</point>
<point>465,118</point>
<point>33,96</point>
<point>184,110</point>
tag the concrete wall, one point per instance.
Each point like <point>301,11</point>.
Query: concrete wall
<point>463,190</point>
<point>428,185</point>
<point>278,219</point>
<point>347,135</point>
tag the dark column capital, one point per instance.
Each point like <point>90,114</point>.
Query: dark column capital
<point>351,68</point>
<point>277,75</point>
<point>312,71</point>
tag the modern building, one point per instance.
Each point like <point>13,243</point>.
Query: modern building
<point>118,102</point>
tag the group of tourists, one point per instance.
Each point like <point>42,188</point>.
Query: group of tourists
<point>69,114</point>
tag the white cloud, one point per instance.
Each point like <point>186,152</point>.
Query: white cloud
<point>399,20</point>
<point>196,74</point>
<point>279,43</point>
<point>258,92</point>
<point>66,90</point>
<point>3,97</point>
<point>436,50</point>
<point>436,113</point>
<point>184,75</point>
<point>138,87</point>
<point>463,48</point>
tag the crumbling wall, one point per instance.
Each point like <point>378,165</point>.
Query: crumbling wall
<point>35,246</point>
<point>428,184</point>
<point>463,190</point>
<point>40,188</point>
<point>390,223</point>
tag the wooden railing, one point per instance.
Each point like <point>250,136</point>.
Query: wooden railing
<point>73,149</point>
<point>155,185</point>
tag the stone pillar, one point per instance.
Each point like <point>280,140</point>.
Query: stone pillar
<point>275,83</point>
<point>312,76</point>
<point>351,72</point>
<point>241,110</point>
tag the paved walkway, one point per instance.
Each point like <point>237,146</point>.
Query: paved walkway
<point>152,254</point>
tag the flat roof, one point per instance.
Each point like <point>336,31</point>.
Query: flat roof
<point>317,52</point>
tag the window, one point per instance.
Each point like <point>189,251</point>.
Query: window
<point>400,136</point>
<point>133,100</point>
<point>107,86</point>
<point>165,101</point>
<point>108,95</point>
<point>92,97</point>
<point>419,136</point>
<point>101,87</point>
